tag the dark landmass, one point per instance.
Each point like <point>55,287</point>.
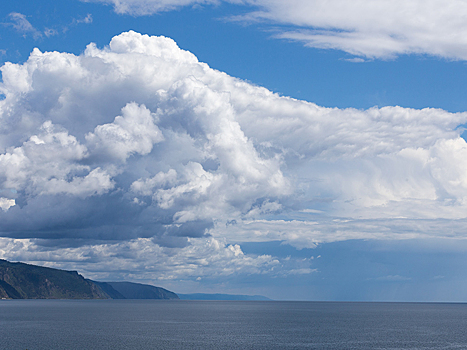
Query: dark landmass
<point>141,291</point>
<point>25,281</point>
<point>109,290</point>
<point>203,296</point>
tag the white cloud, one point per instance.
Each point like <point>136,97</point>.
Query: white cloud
<point>375,29</point>
<point>20,23</point>
<point>87,20</point>
<point>305,233</point>
<point>371,29</point>
<point>50,32</point>
<point>6,203</point>
<point>203,258</point>
<point>48,163</point>
<point>139,140</point>
<point>134,132</point>
<point>148,7</point>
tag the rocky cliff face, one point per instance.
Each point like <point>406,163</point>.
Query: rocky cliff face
<point>24,281</point>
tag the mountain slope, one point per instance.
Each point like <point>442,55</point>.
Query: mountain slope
<point>24,281</point>
<point>141,291</point>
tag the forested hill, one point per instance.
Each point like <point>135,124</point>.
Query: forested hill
<point>24,281</point>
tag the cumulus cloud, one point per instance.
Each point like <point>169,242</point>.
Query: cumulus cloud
<point>371,29</point>
<point>6,203</point>
<point>203,258</point>
<point>134,132</point>
<point>141,142</point>
<point>47,164</point>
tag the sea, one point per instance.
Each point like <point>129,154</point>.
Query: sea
<point>216,325</point>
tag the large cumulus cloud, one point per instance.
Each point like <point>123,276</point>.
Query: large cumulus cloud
<point>134,128</point>
<point>140,142</point>
<point>371,29</point>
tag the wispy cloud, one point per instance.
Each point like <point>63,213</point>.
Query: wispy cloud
<point>48,32</point>
<point>76,21</point>
<point>144,7</point>
<point>86,20</point>
<point>393,278</point>
<point>370,29</point>
<point>20,23</point>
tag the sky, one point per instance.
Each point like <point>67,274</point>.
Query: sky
<point>301,150</point>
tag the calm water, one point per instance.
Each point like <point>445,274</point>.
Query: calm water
<point>131,324</point>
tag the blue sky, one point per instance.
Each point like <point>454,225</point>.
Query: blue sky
<point>134,160</point>
<point>247,51</point>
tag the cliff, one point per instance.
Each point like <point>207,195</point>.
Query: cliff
<point>25,281</point>
<point>141,291</point>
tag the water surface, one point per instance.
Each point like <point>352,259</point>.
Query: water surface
<point>215,325</point>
